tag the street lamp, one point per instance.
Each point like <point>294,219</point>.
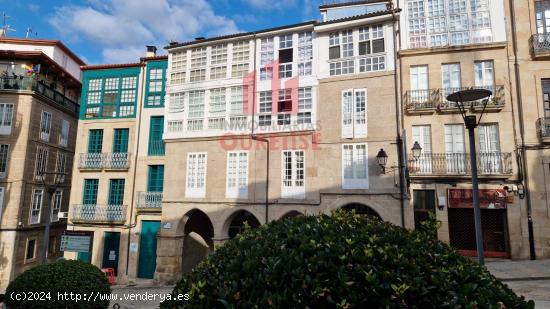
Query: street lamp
<point>382,156</point>
<point>50,190</point>
<point>471,122</point>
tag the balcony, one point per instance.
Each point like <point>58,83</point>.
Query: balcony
<point>451,165</point>
<point>429,101</point>
<point>99,214</point>
<point>543,129</point>
<point>540,45</point>
<point>149,201</point>
<point>156,148</point>
<point>38,86</point>
<point>107,161</point>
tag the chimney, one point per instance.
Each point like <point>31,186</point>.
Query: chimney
<point>151,51</point>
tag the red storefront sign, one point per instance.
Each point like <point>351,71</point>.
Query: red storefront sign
<point>488,198</point>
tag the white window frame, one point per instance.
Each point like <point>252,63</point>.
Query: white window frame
<point>57,200</point>
<point>45,126</point>
<point>41,165</point>
<point>6,118</point>
<point>354,124</point>
<point>4,160</point>
<point>64,133</point>
<point>35,219</point>
<point>294,190</point>
<point>355,182</point>
<point>2,193</point>
<point>60,164</point>
<point>196,191</point>
<point>239,177</point>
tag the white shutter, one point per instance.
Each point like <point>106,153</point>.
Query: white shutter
<point>347,114</point>
<point>360,113</point>
<point>1,203</point>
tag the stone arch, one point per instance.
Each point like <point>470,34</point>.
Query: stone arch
<point>198,237</point>
<point>291,214</point>
<point>361,209</point>
<point>235,222</point>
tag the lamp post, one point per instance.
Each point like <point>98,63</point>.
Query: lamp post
<point>471,122</point>
<point>50,190</point>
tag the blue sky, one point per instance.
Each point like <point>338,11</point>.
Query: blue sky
<point>113,31</point>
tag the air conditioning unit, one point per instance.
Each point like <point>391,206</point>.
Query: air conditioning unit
<point>63,215</point>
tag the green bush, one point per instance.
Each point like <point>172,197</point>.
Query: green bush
<point>46,281</point>
<point>340,261</point>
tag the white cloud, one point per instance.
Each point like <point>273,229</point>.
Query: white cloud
<point>270,5</point>
<point>122,28</point>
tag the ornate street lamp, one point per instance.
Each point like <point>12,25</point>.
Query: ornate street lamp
<point>50,189</point>
<point>471,122</point>
<point>416,150</point>
<point>382,156</point>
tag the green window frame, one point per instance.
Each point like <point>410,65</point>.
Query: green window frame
<point>155,179</point>
<point>95,141</point>
<point>90,191</point>
<point>120,140</point>
<point>156,129</point>
<point>110,93</point>
<point>116,191</point>
<point>155,84</point>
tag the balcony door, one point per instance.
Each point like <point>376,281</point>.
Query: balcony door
<point>454,149</point>
<point>546,99</point>
<point>542,9</point>
<point>489,149</point>
<point>116,199</point>
<point>423,135</point>
<point>450,79</point>
<point>485,75</point>
<point>95,147</point>
<point>419,84</point>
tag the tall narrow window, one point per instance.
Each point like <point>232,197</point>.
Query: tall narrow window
<point>6,115</point>
<point>155,181</point>
<point>179,68</point>
<point>265,108</point>
<point>423,135</point>
<point>2,191</point>
<point>195,113</point>
<point>454,148</point>
<point>237,175</point>
<point>90,191</point>
<point>489,149</point>
<point>305,53</point>
<point>305,103</point>
<point>450,75</point>
<point>354,113</point>
<point>156,129</point>
<point>95,141</point>
<point>267,51</point>
<point>218,61</point>
<point>116,191</point>
<point>57,199</point>
<point>241,58</point>
<point>286,56</point>
<point>196,174</point>
<point>64,134</point>
<point>217,108</point>
<point>45,126</point>
<point>156,80</point>
<point>4,150</point>
<point>41,162</point>
<point>355,169</point>
<point>36,205</point>
<point>546,100</point>
<point>31,249</point>
<point>485,75</point>
<point>293,174</point>
<point>120,140</point>
<point>60,162</point>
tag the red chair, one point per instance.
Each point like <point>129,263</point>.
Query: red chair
<point>110,273</point>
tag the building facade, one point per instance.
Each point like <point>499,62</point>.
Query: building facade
<point>39,93</point>
<point>118,177</point>
<point>274,123</point>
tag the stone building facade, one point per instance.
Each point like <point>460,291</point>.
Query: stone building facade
<point>38,120</point>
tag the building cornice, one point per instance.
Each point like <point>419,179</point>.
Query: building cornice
<point>451,49</point>
<point>44,42</point>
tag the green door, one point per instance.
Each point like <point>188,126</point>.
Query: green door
<point>111,244</point>
<point>155,181</point>
<point>120,141</point>
<point>148,249</point>
<point>156,144</point>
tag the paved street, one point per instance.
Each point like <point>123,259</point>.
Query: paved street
<point>140,293</point>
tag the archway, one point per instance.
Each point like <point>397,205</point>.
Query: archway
<point>291,214</point>
<point>237,222</point>
<point>197,241</point>
<point>361,210</point>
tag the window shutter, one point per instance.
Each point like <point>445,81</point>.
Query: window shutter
<point>347,114</point>
<point>360,113</point>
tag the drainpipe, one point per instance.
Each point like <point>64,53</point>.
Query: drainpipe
<point>523,175</point>
<point>398,124</point>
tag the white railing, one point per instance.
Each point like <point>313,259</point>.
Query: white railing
<point>119,160</point>
<point>102,214</point>
<point>149,201</point>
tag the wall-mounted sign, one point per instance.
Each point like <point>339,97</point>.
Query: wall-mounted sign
<point>76,241</point>
<point>488,198</point>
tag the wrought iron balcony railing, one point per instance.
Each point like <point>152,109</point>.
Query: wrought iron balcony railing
<point>488,163</point>
<point>99,214</point>
<point>32,84</point>
<point>429,100</point>
<point>543,127</point>
<point>540,44</point>
<point>149,201</point>
<point>156,148</point>
<point>113,161</point>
